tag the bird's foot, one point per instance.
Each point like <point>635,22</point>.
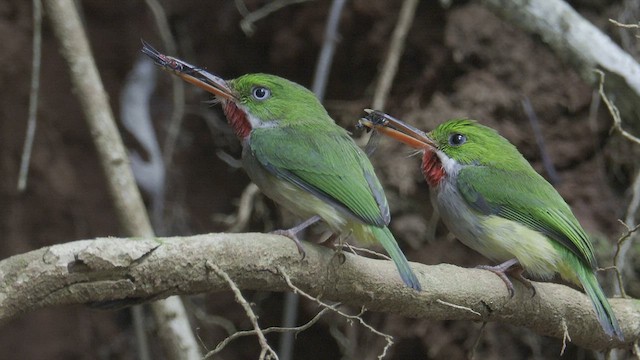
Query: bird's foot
<point>293,233</point>
<point>293,236</point>
<point>517,274</point>
<point>501,270</point>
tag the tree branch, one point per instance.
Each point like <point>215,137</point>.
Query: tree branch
<point>107,269</point>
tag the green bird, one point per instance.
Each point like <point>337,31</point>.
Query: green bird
<point>493,201</point>
<point>299,157</point>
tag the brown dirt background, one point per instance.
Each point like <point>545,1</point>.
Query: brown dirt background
<point>460,61</point>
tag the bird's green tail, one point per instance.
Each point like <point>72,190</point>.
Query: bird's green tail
<point>600,303</point>
<point>388,242</point>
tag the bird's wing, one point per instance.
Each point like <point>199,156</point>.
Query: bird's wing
<point>525,198</point>
<point>327,164</point>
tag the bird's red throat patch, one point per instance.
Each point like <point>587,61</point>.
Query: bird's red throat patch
<point>237,119</point>
<point>432,168</point>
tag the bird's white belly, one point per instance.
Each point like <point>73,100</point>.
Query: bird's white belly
<point>495,237</point>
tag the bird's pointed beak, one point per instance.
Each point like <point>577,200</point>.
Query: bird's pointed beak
<point>189,73</point>
<point>396,129</point>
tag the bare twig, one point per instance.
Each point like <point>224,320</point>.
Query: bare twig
<point>476,342</point>
<point>634,204</point>
<point>619,255</point>
<point>245,207</point>
<point>565,337</point>
<point>396,48</point>
<point>615,113</point>
<point>325,59</point>
<point>623,246</point>
<point>626,26</point>
<point>334,308</point>
<point>458,307</point>
<point>355,250</point>
<point>266,351</point>
<point>295,330</point>
<point>33,95</point>
<point>247,24</point>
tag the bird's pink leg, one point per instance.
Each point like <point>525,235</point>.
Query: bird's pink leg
<point>292,233</point>
<point>510,267</point>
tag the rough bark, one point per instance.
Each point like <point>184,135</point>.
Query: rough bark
<point>108,269</point>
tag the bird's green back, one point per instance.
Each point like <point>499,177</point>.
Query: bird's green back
<point>326,163</point>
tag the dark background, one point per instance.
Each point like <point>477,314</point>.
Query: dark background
<point>460,61</point>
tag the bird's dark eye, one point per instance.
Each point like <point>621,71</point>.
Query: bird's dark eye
<point>457,139</point>
<point>261,93</point>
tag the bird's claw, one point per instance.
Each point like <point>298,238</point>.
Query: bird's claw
<point>513,268</point>
<point>502,274</point>
<point>292,235</point>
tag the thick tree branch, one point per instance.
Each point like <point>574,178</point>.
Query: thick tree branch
<point>107,269</point>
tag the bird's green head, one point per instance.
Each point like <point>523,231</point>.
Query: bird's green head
<point>451,145</point>
<point>253,100</point>
<point>268,98</point>
<point>470,143</point>
<point>264,101</point>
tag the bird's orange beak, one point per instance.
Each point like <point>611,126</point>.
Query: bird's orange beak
<point>189,73</point>
<point>396,129</point>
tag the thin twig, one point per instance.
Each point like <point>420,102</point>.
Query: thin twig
<point>566,338</point>
<point>632,211</point>
<point>33,95</point>
<point>266,351</point>
<point>334,308</point>
<point>615,113</point>
<point>247,24</point>
<point>622,248</point>
<point>295,330</point>
<point>325,59</point>
<point>458,307</point>
<point>476,342</point>
<point>355,250</point>
<point>627,26</point>
<point>244,208</point>
<point>618,255</point>
<point>396,48</point>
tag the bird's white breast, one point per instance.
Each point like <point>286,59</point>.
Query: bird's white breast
<point>493,236</point>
